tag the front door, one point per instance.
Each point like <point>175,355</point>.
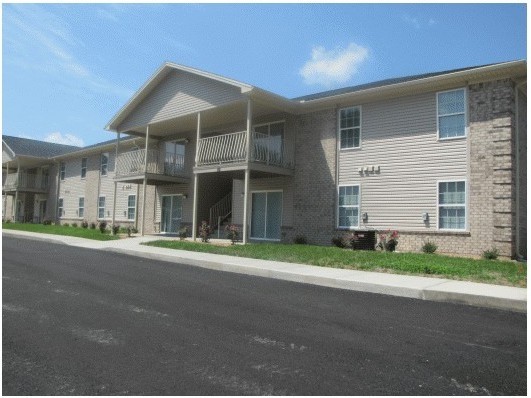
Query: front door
<point>42,210</point>
<point>171,213</point>
<point>266,216</point>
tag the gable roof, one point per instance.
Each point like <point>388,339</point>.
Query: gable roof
<point>156,78</point>
<point>35,148</point>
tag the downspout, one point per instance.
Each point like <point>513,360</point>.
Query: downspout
<point>517,149</point>
<point>5,194</point>
<point>247,172</point>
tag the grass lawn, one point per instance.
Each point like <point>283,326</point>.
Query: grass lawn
<point>486,271</point>
<point>60,230</point>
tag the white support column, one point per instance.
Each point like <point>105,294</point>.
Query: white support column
<point>4,210</point>
<point>115,183</point>
<point>248,135</point>
<point>196,180</point>
<point>145,183</point>
<point>15,207</point>
<point>57,191</point>
<point>246,205</point>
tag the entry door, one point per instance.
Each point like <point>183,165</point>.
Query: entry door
<point>42,210</point>
<point>171,213</point>
<point>266,217</point>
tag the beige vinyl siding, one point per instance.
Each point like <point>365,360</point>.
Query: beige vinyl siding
<point>283,184</point>
<point>107,185</point>
<point>400,136</point>
<point>178,94</point>
<point>71,189</point>
<point>122,193</point>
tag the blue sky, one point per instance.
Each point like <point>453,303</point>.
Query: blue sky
<point>68,68</point>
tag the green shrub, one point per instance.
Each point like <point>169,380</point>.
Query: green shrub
<point>300,240</point>
<point>205,231</point>
<point>8,221</point>
<point>429,247</point>
<point>45,222</point>
<point>340,241</point>
<point>102,226</point>
<point>85,224</point>
<point>183,233</point>
<point>491,254</point>
<point>92,225</point>
<point>74,224</point>
<point>115,229</point>
<point>66,224</point>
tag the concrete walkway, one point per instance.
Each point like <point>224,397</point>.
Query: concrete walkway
<point>470,293</point>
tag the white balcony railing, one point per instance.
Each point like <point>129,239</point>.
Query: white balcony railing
<point>132,163</point>
<point>231,148</point>
<point>24,180</point>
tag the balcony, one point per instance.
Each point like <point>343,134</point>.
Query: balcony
<point>28,182</point>
<point>229,150</point>
<point>168,167</point>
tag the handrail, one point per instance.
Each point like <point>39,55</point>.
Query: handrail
<point>132,163</point>
<point>25,180</point>
<point>220,210</point>
<point>231,148</point>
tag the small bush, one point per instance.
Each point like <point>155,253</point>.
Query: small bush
<point>300,240</point>
<point>102,227</point>
<point>205,231</point>
<point>74,224</point>
<point>8,221</point>
<point>233,233</point>
<point>491,254</point>
<point>66,224</point>
<point>429,247</point>
<point>134,230</point>
<point>115,229</point>
<point>183,233</point>
<point>92,225</point>
<point>340,241</point>
<point>84,224</point>
<point>44,222</point>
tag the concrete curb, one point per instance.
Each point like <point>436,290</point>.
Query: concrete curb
<point>432,289</point>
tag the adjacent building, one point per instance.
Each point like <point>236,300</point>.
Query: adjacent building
<point>439,157</point>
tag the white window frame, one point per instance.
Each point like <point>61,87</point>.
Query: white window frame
<point>131,207</point>
<point>465,112</point>
<point>99,207</point>
<point>81,209</point>
<point>350,228</point>
<point>60,207</point>
<point>62,171</point>
<point>84,168</point>
<point>465,205</point>
<point>339,129</point>
<point>104,155</point>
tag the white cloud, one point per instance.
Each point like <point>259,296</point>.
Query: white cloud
<point>42,41</point>
<point>335,66</point>
<point>67,139</point>
<point>411,21</point>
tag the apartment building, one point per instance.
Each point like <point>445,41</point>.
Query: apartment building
<point>440,157</point>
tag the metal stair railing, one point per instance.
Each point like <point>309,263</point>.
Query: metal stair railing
<point>220,211</point>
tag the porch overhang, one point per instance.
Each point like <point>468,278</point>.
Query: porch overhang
<point>242,166</point>
<point>152,179</point>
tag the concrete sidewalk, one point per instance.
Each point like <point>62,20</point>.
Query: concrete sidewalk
<point>435,289</point>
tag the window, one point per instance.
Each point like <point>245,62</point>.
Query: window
<point>350,127</point>
<point>101,207</point>
<point>174,159</point>
<point>451,115</point>
<point>60,207</point>
<point>81,208</point>
<point>452,205</point>
<point>104,163</point>
<point>62,171</point>
<point>83,167</point>
<point>348,206</point>
<point>131,207</point>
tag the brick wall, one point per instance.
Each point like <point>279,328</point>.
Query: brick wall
<point>314,195</point>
